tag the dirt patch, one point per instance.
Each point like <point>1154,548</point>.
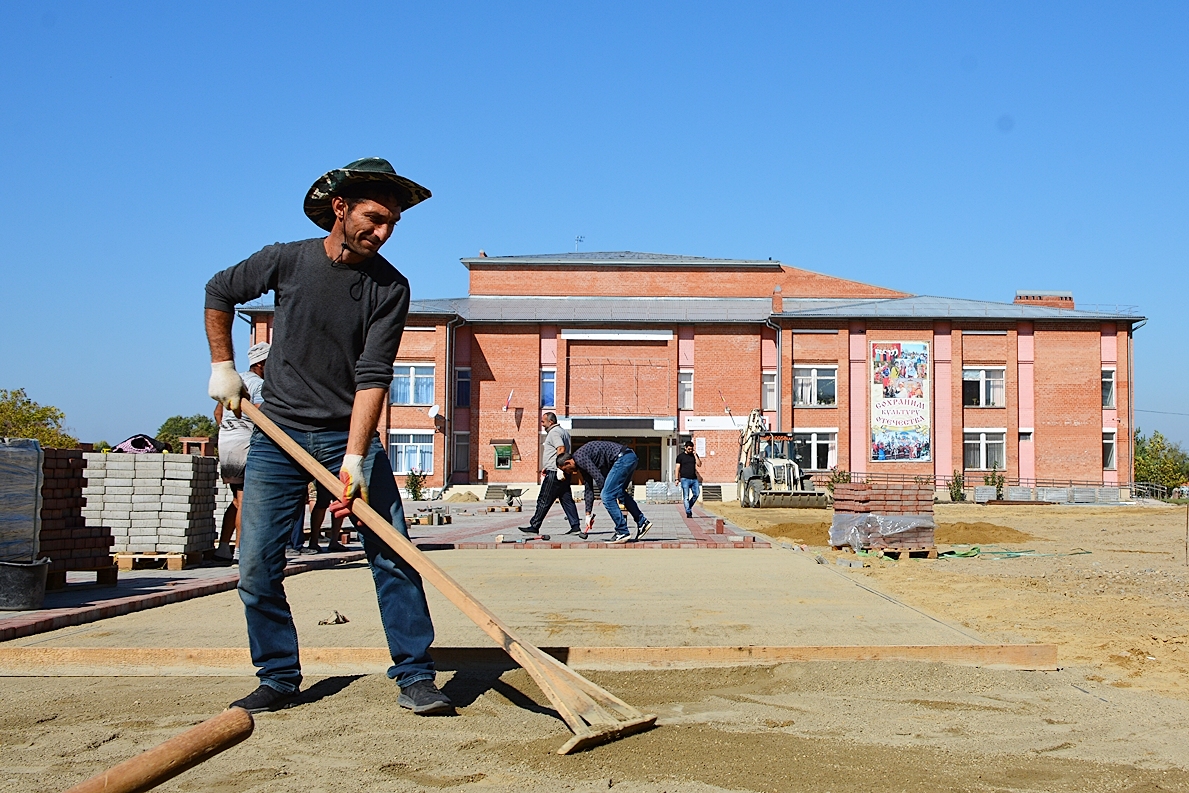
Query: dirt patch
<point>794,727</point>
<point>462,496</point>
<point>979,533</point>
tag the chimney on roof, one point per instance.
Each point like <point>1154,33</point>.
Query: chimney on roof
<point>777,300</point>
<point>482,254</point>
<point>1043,297</point>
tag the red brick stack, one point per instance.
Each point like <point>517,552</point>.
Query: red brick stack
<point>65,537</point>
<point>888,504</point>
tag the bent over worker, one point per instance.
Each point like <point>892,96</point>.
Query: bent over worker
<point>608,466</point>
<point>340,313</point>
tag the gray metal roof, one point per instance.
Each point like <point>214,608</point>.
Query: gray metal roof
<point>672,310</point>
<point>621,258</point>
<point>929,307</point>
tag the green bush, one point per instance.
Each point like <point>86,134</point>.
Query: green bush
<point>415,485</point>
<point>957,487</point>
<point>996,480</point>
<point>837,477</point>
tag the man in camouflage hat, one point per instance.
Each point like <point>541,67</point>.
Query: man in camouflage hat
<point>340,313</point>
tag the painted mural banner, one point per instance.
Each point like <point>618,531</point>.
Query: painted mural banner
<point>900,396</point>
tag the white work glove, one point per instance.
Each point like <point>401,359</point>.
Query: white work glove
<point>225,386</point>
<point>560,473</point>
<point>589,522</point>
<point>351,475</point>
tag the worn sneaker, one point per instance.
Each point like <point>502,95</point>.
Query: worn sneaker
<point>644,528</point>
<point>264,699</point>
<point>424,699</point>
<point>620,539</point>
<point>527,529</point>
<point>336,547</point>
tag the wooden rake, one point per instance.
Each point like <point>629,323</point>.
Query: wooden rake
<point>594,716</point>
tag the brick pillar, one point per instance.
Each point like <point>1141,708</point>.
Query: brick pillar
<point>860,435</point>
<point>943,413</point>
<point>1026,404</point>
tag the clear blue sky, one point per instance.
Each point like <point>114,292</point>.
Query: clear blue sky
<point>960,149</point>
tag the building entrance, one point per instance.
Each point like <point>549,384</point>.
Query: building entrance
<point>648,453</point>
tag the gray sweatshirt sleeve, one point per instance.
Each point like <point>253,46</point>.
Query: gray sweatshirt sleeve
<point>374,367</point>
<point>246,281</point>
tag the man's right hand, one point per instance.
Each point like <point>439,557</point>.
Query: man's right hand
<point>225,386</point>
<point>589,522</point>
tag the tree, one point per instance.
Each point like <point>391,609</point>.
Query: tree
<point>21,417</point>
<point>196,426</point>
<point>1159,461</point>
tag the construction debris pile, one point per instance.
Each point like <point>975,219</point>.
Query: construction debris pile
<point>154,503</point>
<point>872,515</point>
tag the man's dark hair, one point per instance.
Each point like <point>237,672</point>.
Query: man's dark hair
<point>380,192</point>
<point>549,414</point>
<point>563,457</point>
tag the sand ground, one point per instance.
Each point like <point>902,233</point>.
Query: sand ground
<point>1113,719</point>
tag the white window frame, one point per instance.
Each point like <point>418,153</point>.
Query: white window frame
<point>421,446</point>
<point>816,373</point>
<point>982,381</point>
<point>461,459</point>
<point>982,433</point>
<point>410,372</point>
<point>768,390</point>
<point>544,371</point>
<point>1114,381</point>
<point>814,442</point>
<point>685,389</point>
<point>1110,437</point>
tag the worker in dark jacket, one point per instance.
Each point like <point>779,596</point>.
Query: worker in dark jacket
<point>608,466</point>
<point>340,313</point>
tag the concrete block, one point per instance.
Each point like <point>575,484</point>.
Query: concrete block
<point>146,498</point>
<point>117,482</point>
<point>116,523</point>
<point>142,531</point>
<point>117,490</point>
<point>120,463</point>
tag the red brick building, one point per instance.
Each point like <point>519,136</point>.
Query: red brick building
<point>869,379</point>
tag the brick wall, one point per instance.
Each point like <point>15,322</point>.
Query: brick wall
<point>621,378</point>
<point>505,359</point>
<point>1068,402</point>
<point>424,347</point>
<point>728,362</point>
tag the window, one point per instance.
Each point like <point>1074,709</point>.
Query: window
<point>410,451</point>
<point>816,450</point>
<point>412,385</point>
<point>462,388</point>
<point>462,451</point>
<point>503,457</point>
<point>768,390</point>
<point>983,388</point>
<point>985,450</point>
<point>685,390</point>
<point>548,387</point>
<point>815,386</point>
<point>1108,449</point>
<point>1108,388</point>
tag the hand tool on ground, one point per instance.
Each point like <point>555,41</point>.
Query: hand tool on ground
<point>181,752</point>
<point>594,716</point>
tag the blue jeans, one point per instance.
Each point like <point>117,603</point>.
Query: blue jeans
<point>690,490</point>
<point>618,485</point>
<point>274,494</point>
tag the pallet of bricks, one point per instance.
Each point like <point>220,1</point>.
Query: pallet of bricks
<point>66,537</point>
<point>161,507</point>
<point>884,516</point>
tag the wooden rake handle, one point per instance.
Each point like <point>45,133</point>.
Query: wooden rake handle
<point>150,768</point>
<point>590,712</point>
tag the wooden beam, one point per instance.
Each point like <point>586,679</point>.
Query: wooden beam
<point>205,661</point>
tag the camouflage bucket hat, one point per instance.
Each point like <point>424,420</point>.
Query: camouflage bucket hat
<point>369,169</point>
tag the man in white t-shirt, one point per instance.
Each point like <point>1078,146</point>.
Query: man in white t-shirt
<point>553,487</point>
<point>235,435</point>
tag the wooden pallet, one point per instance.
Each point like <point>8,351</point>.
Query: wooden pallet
<point>918,552</point>
<point>172,561</point>
<point>504,509</point>
<point>55,580</point>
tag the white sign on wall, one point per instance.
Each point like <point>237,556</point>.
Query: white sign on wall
<point>700,447</point>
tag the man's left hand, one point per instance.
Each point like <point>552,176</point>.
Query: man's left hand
<point>354,485</point>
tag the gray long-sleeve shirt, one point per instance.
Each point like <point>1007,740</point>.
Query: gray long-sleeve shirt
<point>336,329</point>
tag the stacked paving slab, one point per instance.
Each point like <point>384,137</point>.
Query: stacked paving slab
<point>154,503</point>
<point>66,536</point>
<point>901,515</point>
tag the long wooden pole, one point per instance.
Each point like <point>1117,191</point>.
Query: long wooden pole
<point>578,701</point>
<point>165,761</point>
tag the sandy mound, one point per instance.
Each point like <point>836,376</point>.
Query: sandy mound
<point>980,533</point>
<point>811,533</point>
<point>462,496</point>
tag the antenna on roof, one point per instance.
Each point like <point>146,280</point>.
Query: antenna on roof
<point>577,240</point>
